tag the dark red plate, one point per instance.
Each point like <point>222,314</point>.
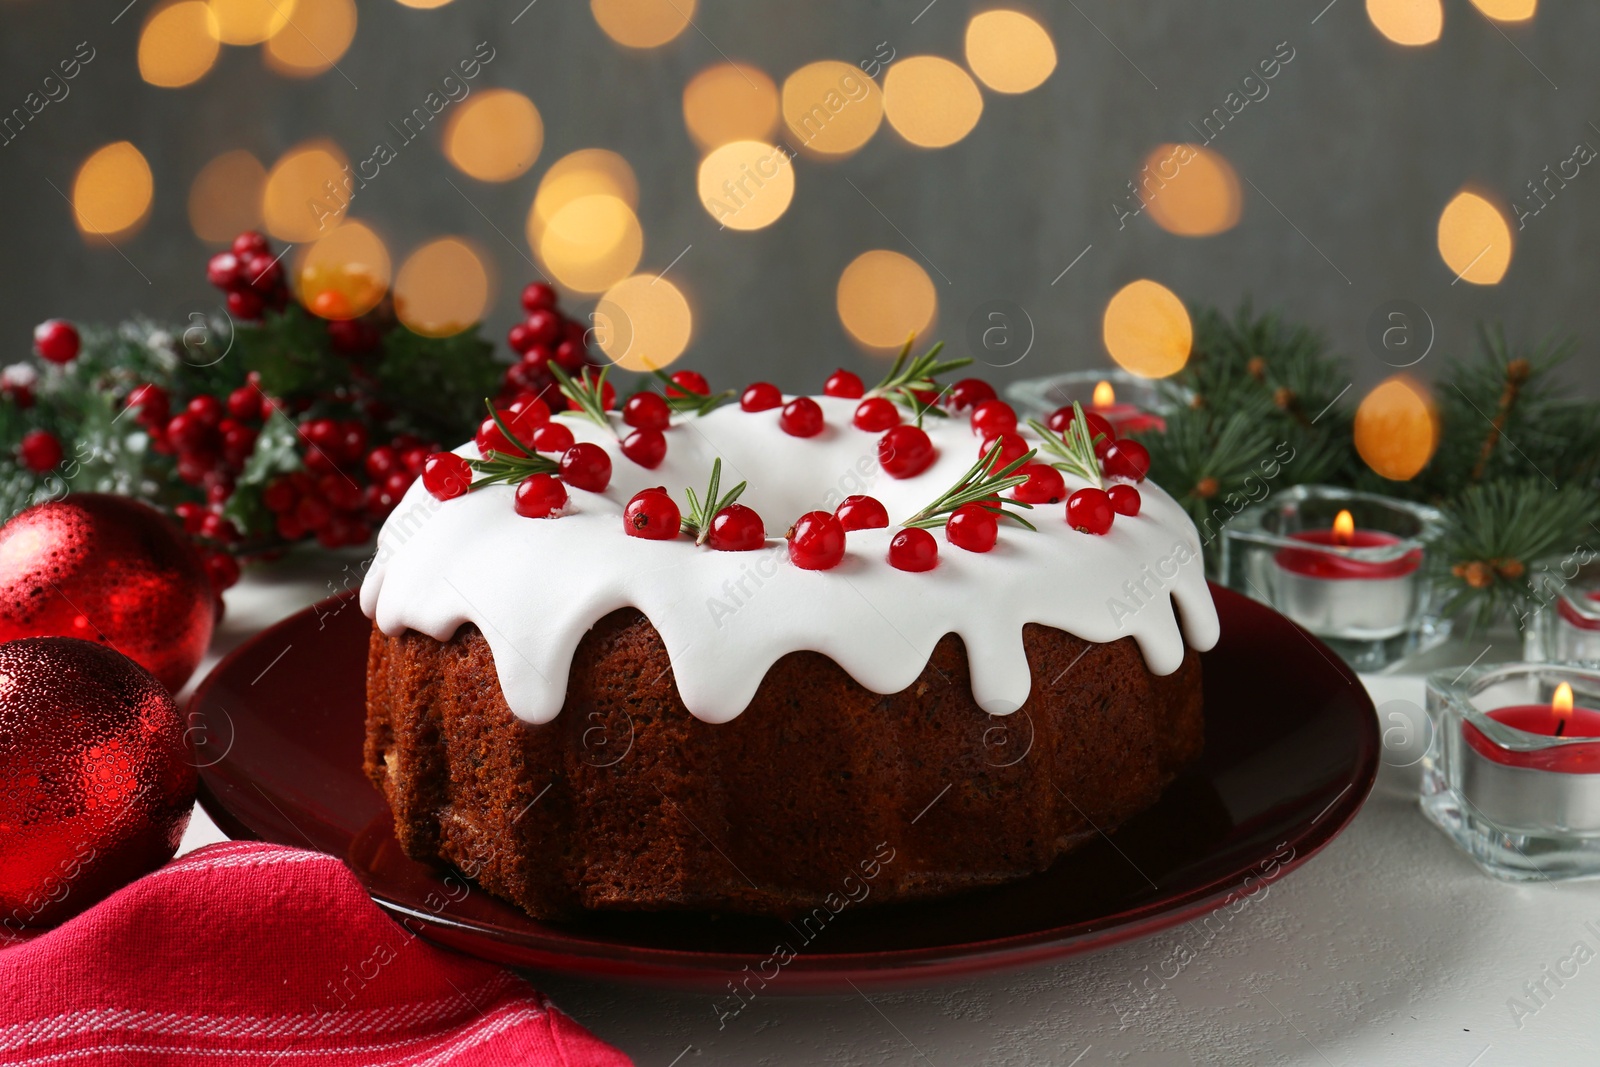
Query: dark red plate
<point>1291,752</point>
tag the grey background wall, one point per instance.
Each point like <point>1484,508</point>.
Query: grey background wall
<point>1347,165</point>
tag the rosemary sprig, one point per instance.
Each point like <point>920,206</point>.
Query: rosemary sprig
<point>1074,449</point>
<point>501,468</point>
<point>585,392</point>
<point>701,512</point>
<point>680,399</point>
<point>907,377</point>
<point>981,482</point>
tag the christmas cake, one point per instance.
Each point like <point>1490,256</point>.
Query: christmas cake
<point>910,651</point>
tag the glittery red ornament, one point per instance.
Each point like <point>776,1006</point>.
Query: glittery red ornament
<point>96,783</point>
<point>107,569</point>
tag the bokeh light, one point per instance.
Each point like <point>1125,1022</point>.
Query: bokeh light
<point>1507,10</point>
<point>1008,51</point>
<point>317,35</point>
<point>112,191</point>
<point>343,275</point>
<point>1200,198</point>
<point>1397,428</point>
<point>831,108</point>
<point>746,185</point>
<point>250,21</point>
<point>225,197</point>
<point>178,44</point>
<point>296,204</point>
<point>930,101</point>
<point>1147,330</point>
<point>1475,239</point>
<point>442,289</point>
<point>1407,22</point>
<point>643,322</point>
<point>885,297</point>
<point>642,23</point>
<point>730,102</point>
<point>586,172</point>
<point>591,243</point>
<point>494,135</point>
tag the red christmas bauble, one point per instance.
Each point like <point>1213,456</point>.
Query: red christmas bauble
<point>96,783</point>
<point>107,569</point>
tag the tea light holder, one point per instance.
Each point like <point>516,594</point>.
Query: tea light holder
<point>1566,627</point>
<point>1131,403</point>
<point>1512,775</point>
<point>1349,567</point>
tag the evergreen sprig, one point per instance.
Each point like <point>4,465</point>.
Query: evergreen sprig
<point>907,377</point>
<point>502,468</point>
<point>1074,450</point>
<point>702,511</point>
<point>686,402</point>
<point>981,484</point>
<point>586,392</point>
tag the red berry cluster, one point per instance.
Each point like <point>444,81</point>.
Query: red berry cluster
<point>211,436</point>
<point>541,492</point>
<point>55,341</point>
<point>1090,509</point>
<point>544,337</point>
<point>345,486</point>
<point>251,276</point>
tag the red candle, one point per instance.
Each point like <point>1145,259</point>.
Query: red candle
<point>1570,614</point>
<point>1124,418</point>
<point>1333,565</point>
<point>1555,719</point>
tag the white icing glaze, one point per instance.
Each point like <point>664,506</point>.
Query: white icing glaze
<point>535,586</point>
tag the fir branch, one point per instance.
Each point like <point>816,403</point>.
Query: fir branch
<point>1074,449</point>
<point>1517,374</point>
<point>585,392</point>
<point>685,401</point>
<point>701,512</point>
<point>982,484</point>
<point>907,377</point>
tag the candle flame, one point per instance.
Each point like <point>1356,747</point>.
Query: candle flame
<point>1344,528</point>
<point>1104,395</point>
<point>1561,702</point>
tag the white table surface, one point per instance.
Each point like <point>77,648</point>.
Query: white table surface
<point>1389,947</point>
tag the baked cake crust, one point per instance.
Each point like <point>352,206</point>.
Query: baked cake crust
<point>626,801</point>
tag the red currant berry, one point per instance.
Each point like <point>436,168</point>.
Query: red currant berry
<point>398,482</point>
<point>905,451</point>
<point>801,417</point>
<point>260,272</point>
<point>1089,511</point>
<point>647,448</point>
<point>736,528</point>
<point>415,457</point>
<point>222,270</point>
<point>1127,459</point>
<point>219,490</point>
<point>243,403</point>
<point>192,515</point>
<point>445,475</point>
<point>238,441</point>
<point>762,396</point>
<point>520,338</point>
<point>152,402</point>
<point>381,462</point>
<point>538,296</point>
<point>913,549</point>
<point>56,340</point>
<point>993,418</point>
<point>972,527</point>
<point>843,383</point>
<point>586,466</point>
<point>490,439</point>
<point>689,382</point>
<point>1101,431</point>
<point>208,409</point>
<point>250,243</point>
<point>968,393</point>
<point>876,415</point>
<point>187,433</point>
<point>245,304</point>
<point>540,496</point>
<point>647,411</point>
<point>862,513</point>
<point>289,527</point>
<point>218,528</point>
<point>552,437</point>
<point>1124,499</point>
<point>221,569</point>
<point>278,495</point>
<point>1044,485</point>
<point>571,355</point>
<point>1012,448</point>
<point>653,515</point>
<point>816,541</point>
<point>528,413</point>
<point>544,325</point>
<point>313,512</point>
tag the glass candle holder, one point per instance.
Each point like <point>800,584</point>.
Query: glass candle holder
<point>1132,404</point>
<point>1349,567</point>
<point>1513,771</point>
<point>1566,626</point>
